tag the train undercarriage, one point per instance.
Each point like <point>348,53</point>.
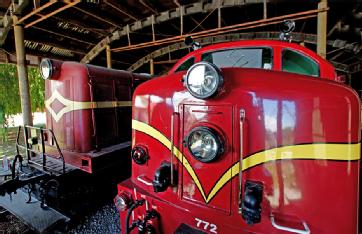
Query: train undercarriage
<point>45,192</point>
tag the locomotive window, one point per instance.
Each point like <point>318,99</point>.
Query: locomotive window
<point>295,62</point>
<point>240,57</point>
<point>186,65</point>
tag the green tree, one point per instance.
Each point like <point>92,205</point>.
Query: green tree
<point>36,83</point>
<point>9,89</point>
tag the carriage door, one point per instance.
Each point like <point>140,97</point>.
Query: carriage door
<point>200,179</point>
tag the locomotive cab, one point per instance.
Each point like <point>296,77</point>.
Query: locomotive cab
<point>261,54</point>
<point>243,137</point>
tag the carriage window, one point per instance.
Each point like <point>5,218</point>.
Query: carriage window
<point>186,65</point>
<point>240,57</point>
<point>297,63</point>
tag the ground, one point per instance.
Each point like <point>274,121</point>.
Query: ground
<point>104,220</point>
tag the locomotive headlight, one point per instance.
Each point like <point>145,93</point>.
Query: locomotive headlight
<point>123,201</point>
<point>139,155</point>
<point>203,80</point>
<point>46,68</point>
<point>204,144</point>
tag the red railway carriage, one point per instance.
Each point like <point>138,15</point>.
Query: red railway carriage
<point>89,109</point>
<point>244,137</point>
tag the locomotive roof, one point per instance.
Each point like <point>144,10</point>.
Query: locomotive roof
<point>241,43</point>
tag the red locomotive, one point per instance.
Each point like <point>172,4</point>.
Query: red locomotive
<point>87,141</point>
<point>244,137</point>
<point>89,108</point>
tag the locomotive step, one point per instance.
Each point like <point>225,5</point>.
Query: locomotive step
<point>37,218</point>
<point>53,166</point>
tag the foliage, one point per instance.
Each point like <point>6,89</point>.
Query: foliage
<point>37,84</point>
<point>9,89</point>
<point>2,115</point>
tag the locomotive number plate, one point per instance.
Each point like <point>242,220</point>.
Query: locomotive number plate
<point>206,225</point>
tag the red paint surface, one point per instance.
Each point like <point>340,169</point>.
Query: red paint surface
<point>80,132</point>
<point>326,69</point>
<point>281,109</point>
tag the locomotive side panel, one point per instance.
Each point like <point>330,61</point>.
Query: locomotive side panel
<point>89,110</point>
<point>112,125</point>
<point>303,145</point>
<point>68,92</point>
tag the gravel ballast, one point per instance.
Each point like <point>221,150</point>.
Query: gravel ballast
<point>105,220</point>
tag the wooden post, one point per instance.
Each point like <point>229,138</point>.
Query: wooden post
<point>153,27</point>
<point>128,37</point>
<point>219,14</point>
<point>109,56</point>
<point>22,72</point>
<point>265,9</point>
<point>181,20</point>
<point>322,29</point>
<point>152,71</point>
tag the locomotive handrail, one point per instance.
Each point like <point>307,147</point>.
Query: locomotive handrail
<point>289,229</point>
<point>240,197</point>
<point>144,180</point>
<point>172,148</point>
<point>44,154</point>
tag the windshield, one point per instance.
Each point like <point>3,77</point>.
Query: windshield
<point>240,57</point>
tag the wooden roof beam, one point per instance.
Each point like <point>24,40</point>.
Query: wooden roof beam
<point>226,29</point>
<point>65,36</point>
<point>37,10</point>
<point>103,19</point>
<point>57,45</point>
<point>118,8</point>
<point>165,16</point>
<point>69,3</point>
<point>7,21</point>
<point>148,7</point>
<point>77,23</point>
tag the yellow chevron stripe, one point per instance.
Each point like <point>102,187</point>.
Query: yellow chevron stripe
<point>70,105</point>
<point>147,129</point>
<point>320,151</point>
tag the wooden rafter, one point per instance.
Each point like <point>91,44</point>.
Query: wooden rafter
<point>68,5</point>
<point>37,10</point>
<point>120,10</point>
<point>97,17</point>
<point>160,18</point>
<point>62,35</point>
<point>52,44</point>
<point>148,7</point>
<point>78,23</point>
<point>226,29</point>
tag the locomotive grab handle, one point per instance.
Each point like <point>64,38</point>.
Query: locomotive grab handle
<point>289,229</point>
<point>172,146</point>
<point>240,195</point>
<point>145,180</point>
